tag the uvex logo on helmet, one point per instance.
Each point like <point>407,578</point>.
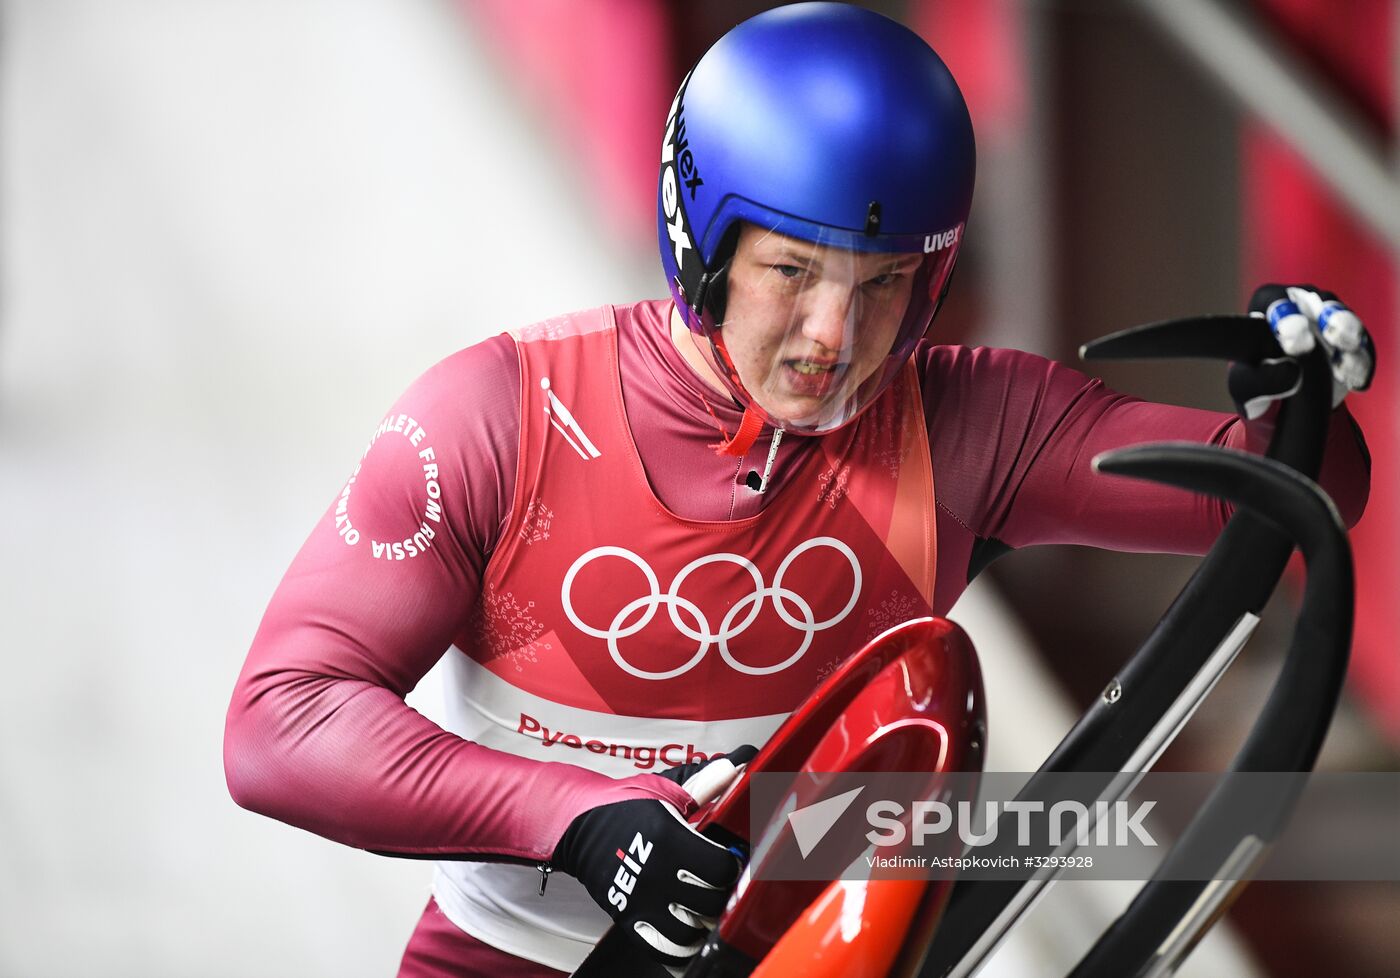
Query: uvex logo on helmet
<point>634,859</point>
<point>937,242</point>
<point>677,168</point>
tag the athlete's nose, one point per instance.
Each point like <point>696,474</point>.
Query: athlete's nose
<point>829,316</point>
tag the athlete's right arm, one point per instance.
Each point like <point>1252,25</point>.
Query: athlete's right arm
<point>318,734</point>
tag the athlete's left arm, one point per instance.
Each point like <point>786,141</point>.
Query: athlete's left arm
<point>1013,436</point>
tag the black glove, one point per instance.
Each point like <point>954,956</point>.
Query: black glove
<point>683,774</point>
<point>654,874</point>
<point>1300,316</point>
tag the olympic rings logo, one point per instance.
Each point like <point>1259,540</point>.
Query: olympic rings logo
<point>697,628</point>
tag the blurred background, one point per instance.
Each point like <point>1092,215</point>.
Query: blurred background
<point>232,232</point>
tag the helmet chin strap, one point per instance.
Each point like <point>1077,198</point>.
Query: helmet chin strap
<point>750,427</point>
<point>738,446</point>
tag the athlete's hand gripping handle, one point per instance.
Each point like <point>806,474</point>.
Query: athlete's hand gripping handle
<point>706,780</point>
<point>649,869</point>
<point>1301,317</point>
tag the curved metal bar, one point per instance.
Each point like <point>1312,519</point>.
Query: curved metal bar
<point>1222,337</point>
<point>1121,735</point>
<point>1169,915</point>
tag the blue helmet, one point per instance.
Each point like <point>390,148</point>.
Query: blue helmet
<point>834,126</point>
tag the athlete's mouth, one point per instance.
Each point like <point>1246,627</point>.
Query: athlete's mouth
<point>812,378</point>
<point>813,368</point>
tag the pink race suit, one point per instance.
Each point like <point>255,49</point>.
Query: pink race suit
<point>612,598</point>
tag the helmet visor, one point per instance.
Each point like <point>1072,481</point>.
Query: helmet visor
<point>812,331</point>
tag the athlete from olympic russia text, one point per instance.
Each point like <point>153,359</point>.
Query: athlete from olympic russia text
<point>800,293</point>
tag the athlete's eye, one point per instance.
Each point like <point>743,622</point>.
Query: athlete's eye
<point>789,271</point>
<point>887,278</point>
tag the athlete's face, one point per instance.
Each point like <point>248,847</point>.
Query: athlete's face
<point>806,324</point>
